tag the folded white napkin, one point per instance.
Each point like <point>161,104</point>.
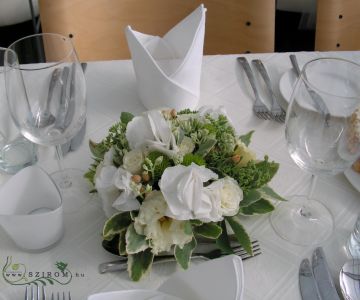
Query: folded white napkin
<point>220,278</point>
<point>168,69</point>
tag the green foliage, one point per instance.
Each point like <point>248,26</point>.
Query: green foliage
<point>183,255</point>
<point>269,194</point>
<point>252,176</point>
<point>246,138</point>
<point>190,158</point>
<point>126,117</point>
<point>139,264</point>
<point>250,197</point>
<point>223,241</point>
<point>135,242</point>
<point>115,224</point>
<point>156,168</point>
<point>240,233</point>
<point>208,230</point>
<point>261,206</point>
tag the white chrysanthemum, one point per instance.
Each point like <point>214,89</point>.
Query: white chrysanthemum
<point>162,231</point>
<point>133,161</point>
<point>245,153</point>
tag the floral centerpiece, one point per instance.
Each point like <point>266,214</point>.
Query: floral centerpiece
<point>167,178</point>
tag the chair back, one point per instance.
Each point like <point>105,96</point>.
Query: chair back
<point>337,25</point>
<point>97,26</point>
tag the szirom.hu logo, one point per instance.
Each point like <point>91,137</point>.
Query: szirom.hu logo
<point>18,274</point>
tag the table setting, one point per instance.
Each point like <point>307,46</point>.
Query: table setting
<point>201,177</point>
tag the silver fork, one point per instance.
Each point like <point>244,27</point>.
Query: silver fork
<point>277,112</point>
<point>34,293</point>
<point>260,109</point>
<point>121,263</point>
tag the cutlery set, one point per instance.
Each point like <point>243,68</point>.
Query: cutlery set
<point>315,279</point>
<point>121,263</point>
<point>260,109</point>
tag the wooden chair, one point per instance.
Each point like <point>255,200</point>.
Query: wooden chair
<point>337,25</point>
<point>97,26</point>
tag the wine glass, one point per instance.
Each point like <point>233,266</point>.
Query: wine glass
<point>322,131</point>
<point>46,95</point>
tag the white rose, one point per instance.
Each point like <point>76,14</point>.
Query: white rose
<point>226,195</point>
<point>183,190</point>
<point>133,161</point>
<point>162,231</point>
<point>127,199</point>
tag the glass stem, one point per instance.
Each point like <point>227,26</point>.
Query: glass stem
<point>305,211</point>
<point>65,179</point>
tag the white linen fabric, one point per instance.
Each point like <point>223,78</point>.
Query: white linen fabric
<point>168,69</point>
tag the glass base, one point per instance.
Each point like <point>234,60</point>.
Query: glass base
<point>73,187</point>
<point>302,221</point>
<point>16,155</point>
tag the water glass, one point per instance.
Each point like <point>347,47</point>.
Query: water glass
<point>16,152</point>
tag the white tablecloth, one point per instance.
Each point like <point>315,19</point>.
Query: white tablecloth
<point>111,89</point>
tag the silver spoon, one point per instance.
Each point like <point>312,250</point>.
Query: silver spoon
<point>350,279</point>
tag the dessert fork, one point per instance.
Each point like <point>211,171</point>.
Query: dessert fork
<point>34,293</point>
<point>260,109</point>
<point>121,263</point>
<point>277,112</point>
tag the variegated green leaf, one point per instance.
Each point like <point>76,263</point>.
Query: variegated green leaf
<point>139,264</point>
<point>135,242</point>
<point>223,241</point>
<point>183,255</point>
<point>208,230</point>
<point>115,224</point>
<point>250,197</point>
<point>260,207</point>
<point>240,233</point>
<point>246,138</point>
<point>269,194</point>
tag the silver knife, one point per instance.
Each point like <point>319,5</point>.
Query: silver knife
<point>76,141</point>
<point>317,100</point>
<point>308,287</point>
<point>322,276</point>
<point>63,105</point>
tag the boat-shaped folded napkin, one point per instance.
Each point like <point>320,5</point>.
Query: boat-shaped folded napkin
<point>168,69</point>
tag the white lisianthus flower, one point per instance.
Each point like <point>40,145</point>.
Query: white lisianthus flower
<point>225,195</point>
<point>186,146</point>
<point>127,199</point>
<point>183,190</point>
<point>244,152</point>
<point>162,231</point>
<point>133,161</point>
<point>151,131</point>
<point>105,187</point>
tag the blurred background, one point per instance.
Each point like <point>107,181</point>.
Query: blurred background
<point>294,23</point>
